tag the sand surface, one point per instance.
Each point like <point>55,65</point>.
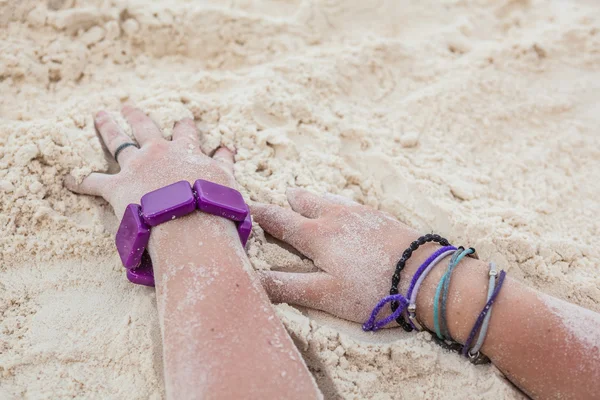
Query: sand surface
<point>477,119</point>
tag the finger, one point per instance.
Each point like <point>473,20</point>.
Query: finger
<point>186,129</point>
<point>144,129</point>
<point>225,157</point>
<point>94,184</point>
<point>285,225</point>
<point>341,200</point>
<point>113,136</point>
<point>305,289</point>
<point>306,203</point>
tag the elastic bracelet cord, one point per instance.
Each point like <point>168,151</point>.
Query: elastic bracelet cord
<point>372,324</point>
<point>436,297</point>
<point>443,334</point>
<point>400,266</point>
<point>416,282</point>
<point>482,315</point>
<point>446,288</point>
<point>486,321</point>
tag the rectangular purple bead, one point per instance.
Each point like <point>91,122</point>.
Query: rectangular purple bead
<point>244,228</point>
<point>132,237</point>
<point>144,274</point>
<point>167,203</point>
<point>220,200</point>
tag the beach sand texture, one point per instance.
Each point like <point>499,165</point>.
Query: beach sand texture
<point>475,119</point>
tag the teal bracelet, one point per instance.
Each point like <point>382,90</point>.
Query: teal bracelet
<point>436,299</point>
<point>442,332</point>
<point>444,320</point>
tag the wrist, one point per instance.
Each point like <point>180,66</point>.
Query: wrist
<point>167,204</point>
<point>468,288</point>
<point>467,296</point>
<point>195,235</point>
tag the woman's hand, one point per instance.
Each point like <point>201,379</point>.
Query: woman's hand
<point>199,268</point>
<point>157,163</point>
<point>355,247</point>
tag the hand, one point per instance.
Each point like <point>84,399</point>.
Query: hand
<point>157,163</point>
<point>355,247</point>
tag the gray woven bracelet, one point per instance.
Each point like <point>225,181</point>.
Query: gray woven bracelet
<point>486,321</point>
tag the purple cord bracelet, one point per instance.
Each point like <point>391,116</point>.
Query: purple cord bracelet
<point>372,324</point>
<point>479,321</point>
<point>416,282</point>
<point>426,264</point>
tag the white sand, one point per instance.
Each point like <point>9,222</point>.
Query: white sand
<point>474,119</point>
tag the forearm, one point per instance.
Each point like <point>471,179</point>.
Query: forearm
<point>545,346</point>
<point>221,337</point>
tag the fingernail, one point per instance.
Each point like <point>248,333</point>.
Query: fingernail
<point>188,121</point>
<point>101,114</point>
<point>294,190</point>
<point>233,150</point>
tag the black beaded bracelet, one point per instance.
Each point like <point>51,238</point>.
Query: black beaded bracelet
<point>400,266</point>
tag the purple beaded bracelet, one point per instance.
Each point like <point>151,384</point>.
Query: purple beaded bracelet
<point>479,321</point>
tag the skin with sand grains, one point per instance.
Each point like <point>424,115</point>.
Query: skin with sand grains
<point>210,341</point>
<point>355,249</point>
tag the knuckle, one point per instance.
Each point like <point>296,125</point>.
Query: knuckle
<point>109,130</point>
<point>135,115</point>
<point>132,164</point>
<point>137,118</point>
<point>228,168</point>
<point>340,211</point>
<point>185,143</point>
<point>187,135</point>
<point>157,146</point>
<point>112,140</point>
<point>309,227</point>
<point>220,175</point>
<point>107,127</point>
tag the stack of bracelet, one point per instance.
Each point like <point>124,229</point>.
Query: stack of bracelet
<point>400,266</point>
<point>400,303</point>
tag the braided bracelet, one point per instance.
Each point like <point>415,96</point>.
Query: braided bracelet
<point>415,284</point>
<point>486,322</point>
<point>482,315</point>
<point>400,266</point>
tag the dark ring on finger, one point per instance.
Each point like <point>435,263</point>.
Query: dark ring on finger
<point>123,147</point>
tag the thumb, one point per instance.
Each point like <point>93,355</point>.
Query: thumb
<point>94,184</point>
<point>311,289</point>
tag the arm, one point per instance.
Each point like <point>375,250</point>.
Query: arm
<point>547,347</point>
<point>221,338</point>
